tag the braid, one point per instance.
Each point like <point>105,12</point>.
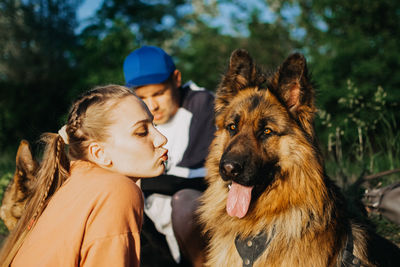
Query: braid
<point>55,179</point>
<point>88,120</point>
<point>88,117</point>
<point>78,111</point>
<point>52,173</point>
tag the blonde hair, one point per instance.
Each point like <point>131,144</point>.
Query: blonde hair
<point>88,120</point>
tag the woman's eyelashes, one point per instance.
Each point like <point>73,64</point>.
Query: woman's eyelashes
<point>142,131</point>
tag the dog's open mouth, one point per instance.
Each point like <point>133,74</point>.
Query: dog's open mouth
<point>239,198</point>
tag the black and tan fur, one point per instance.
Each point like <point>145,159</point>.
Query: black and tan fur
<point>19,188</point>
<point>266,139</point>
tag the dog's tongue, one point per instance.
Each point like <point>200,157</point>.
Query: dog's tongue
<point>238,202</point>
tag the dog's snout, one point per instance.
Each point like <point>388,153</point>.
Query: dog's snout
<point>231,169</point>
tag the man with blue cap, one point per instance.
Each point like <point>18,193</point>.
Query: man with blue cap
<point>184,114</point>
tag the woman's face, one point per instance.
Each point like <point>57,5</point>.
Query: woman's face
<point>135,146</point>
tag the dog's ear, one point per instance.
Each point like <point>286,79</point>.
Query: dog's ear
<point>17,192</point>
<point>26,167</point>
<point>242,73</point>
<point>292,84</point>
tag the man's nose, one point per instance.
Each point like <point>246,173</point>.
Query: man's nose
<point>151,104</point>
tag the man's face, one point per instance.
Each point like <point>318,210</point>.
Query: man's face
<point>161,99</point>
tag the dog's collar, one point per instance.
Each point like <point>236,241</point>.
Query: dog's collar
<point>348,258</point>
<point>252,247</point>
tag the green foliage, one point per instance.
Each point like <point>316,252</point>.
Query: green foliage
<point>7,167</point>
<point>101,53</point>
<point>35,52</point>
<point>151,21</point>
<point>366,134</point>
<point>203,44</point>
<point>268,43</point>
<point>386,228</point>
<point>353,40</point>
<point>363,142</point>
<point>5,179</point>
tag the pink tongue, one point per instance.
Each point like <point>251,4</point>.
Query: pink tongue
<point>238,202</point>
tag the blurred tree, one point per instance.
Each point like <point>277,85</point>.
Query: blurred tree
<point>35,73</point>
<point>184,29</point>
<point>101,53</point>
<point>151,21</point>
<point>270,43</point>
<point>203,59</point>
<point>207,53</point>
<point>351,42</point>
<point>356,40</point>
<point>119,27</point>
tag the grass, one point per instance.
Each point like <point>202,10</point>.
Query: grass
<point>4,181</point>
<point>362,139</point>
<point>349,160</point>
<point>7,167</point>
<point>346,174</point>
<point>386,228</point>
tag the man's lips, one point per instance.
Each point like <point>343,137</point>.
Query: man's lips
<point>157,116</point>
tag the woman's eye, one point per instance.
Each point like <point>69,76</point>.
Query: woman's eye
<point>142,132</point>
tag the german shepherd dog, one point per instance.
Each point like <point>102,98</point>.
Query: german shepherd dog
<point>19,188</point>
<point>268,201</point>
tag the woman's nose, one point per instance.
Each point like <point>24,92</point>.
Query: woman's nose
<point>159,139</point>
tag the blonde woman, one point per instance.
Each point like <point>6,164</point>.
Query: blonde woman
<point>86,208</point>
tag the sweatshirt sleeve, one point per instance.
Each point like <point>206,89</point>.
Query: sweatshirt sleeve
<point>112,235</point>
<point>202,129</point>
<point>120,250</point>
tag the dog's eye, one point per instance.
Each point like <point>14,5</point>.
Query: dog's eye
<point>267,131</point>
<point>232,128</point>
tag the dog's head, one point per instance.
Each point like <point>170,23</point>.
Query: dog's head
<point>18,190</point>
<point>265,126</point>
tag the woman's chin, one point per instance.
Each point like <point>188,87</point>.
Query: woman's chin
<point>162,169</point>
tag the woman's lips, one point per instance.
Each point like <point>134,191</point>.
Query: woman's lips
<point>164,156</point>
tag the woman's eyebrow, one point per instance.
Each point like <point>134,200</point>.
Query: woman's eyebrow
<point>144,121</point>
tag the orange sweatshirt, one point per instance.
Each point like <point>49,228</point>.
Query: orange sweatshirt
<point>94,219</point>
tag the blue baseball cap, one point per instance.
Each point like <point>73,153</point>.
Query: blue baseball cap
<point>147,65</point>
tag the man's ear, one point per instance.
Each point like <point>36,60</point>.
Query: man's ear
<point>177,76</point>
<point>98,155</point>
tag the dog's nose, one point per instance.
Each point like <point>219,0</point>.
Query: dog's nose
<point>231,169</point>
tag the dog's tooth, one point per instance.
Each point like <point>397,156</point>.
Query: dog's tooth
<point>229,186</point>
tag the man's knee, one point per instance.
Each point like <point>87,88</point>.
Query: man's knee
<point>186,227</point>
<point>185,201</point>
<point>184,204</point>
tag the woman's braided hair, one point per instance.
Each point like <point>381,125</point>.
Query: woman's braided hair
<point>88,120</point>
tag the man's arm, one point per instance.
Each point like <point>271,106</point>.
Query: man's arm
<point>170,184</point>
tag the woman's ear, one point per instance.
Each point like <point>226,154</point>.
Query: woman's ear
<point>98,155</point>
